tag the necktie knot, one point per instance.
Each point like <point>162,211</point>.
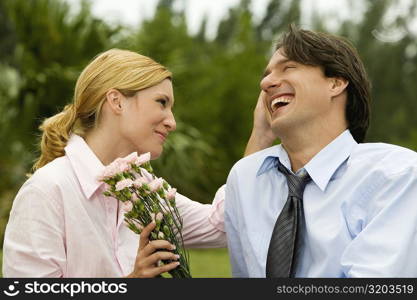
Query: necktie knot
<point>296,183</point>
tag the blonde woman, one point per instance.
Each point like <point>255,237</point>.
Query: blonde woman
<point>60,224</point>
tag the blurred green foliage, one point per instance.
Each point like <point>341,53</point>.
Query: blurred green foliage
<point>44,46</point>
<point>210,263</point>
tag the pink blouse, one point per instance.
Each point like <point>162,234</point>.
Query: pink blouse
<point>61,225</point>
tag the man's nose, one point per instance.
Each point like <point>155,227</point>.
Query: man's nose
<point>270,81</point>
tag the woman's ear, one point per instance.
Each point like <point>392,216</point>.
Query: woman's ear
<point>114,100</point>
<point>338,85</point>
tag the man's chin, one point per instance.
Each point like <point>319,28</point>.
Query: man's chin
<point>281,126</point>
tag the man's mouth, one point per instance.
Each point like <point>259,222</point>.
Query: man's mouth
<point>281,101</point>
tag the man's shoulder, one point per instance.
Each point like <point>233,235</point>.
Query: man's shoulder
<point>384,157</point>
<point>253,161</point>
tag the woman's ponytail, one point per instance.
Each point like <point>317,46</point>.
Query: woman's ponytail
<point>56,131</point>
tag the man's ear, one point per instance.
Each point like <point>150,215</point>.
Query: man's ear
<point>338,85</point>
<point>114,100</point>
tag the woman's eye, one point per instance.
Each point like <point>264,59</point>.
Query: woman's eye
<point>162,101</point>
<point>289,67</point>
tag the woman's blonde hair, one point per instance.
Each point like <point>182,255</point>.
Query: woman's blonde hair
<point>123,70</point>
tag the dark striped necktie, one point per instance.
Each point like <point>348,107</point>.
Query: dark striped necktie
<point>282,252</point>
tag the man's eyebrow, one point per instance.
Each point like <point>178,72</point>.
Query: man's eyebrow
<point>279,62</point>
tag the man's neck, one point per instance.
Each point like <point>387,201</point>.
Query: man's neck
<point>302,147</point>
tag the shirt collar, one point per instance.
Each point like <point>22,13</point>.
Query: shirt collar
<point>269,159</point>
<point>322,166</point>
<point>85,163</point>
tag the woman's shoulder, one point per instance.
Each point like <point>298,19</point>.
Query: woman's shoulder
<point>50,178</point>
<point>43,193</point>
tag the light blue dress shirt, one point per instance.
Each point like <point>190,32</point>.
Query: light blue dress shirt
<point>360,210</point>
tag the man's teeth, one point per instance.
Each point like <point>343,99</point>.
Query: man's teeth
<point>280,100</point>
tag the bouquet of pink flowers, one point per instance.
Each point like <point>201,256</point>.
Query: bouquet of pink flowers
<point>145,199</point>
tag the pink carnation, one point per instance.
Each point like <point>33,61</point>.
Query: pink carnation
<point>123,184</point>
<point>134,197</point>
<point>127,206</point>
<point>171,193</point>
<point>156,217</point>
<point>136,223</point>
<point>139,182</point>
<point>131,158</point>
<point>156,184</point>
<point>119,165</point>
<point>108,172</point>
<point>159,216</point>
<point>146,175</point>
<point>144,158</point>
<point>122,165</point>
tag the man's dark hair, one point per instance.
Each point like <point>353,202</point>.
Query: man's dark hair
<point>338,58</point>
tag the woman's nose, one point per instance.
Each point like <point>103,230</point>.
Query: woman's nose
<point>170,123</point>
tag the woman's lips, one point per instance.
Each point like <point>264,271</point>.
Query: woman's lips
<point>161,135</point>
